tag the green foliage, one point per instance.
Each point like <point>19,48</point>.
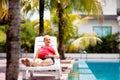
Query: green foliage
<point>110,44</point>
<point>2,47</point>
<point>47,27</point>
<point>28,7</point>
<point>27,35</point>
<point>2,36</point>
<point>70,30</point>
<point>3,30</point>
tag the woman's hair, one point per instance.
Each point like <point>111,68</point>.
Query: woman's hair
<point>46,36</point>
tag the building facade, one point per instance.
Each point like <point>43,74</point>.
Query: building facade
<point>110,24</point>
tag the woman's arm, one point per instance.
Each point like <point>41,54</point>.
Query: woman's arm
<point>36,56</point>
<point>56,53</point>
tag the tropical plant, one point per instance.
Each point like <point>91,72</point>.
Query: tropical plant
<point>3,38</point>
<point>110,44</point>
<point>28,7</point>
<point>47,27</point>
<point>27,35</point>
<point>3,12</point>
<point>83,42</point>
<point>3,30</point>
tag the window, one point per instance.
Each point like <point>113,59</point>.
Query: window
<point>118,11</point>
<point>102,31</point>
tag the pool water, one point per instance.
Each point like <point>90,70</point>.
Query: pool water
<point>99,70</point>
<point>74,75</point>
<point>105,70</point>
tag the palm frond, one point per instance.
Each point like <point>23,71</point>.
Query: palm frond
<point>84,41</point>
<point>3,10</point>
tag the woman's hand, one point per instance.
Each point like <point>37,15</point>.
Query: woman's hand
<point>54,56</point>
<point>39,50</point>
<point>48,56</point>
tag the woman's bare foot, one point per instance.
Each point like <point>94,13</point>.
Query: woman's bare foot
<point>26,62</point>
<point>23,61</point>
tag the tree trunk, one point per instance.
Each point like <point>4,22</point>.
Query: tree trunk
<point>13,40</point>
<point>41,15</point>
<point>61,31</point>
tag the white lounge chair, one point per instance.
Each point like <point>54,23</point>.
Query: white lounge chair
<point>56,68</point>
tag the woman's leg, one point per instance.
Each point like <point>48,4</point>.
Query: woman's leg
<point>40,62</point>
<point>47,62</point>
<point>37,62</point>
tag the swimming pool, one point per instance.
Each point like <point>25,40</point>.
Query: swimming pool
<point>105,70</point>
<point>96,71</point>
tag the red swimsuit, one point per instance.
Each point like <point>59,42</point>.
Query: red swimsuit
<point>46,51</point>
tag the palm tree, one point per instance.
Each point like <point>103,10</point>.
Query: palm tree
<point>13,40</point>
<point>63,7</point>
<point>41,14</point>
<point>61,27</point>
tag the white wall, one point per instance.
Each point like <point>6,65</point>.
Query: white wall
<point>88,26</point>
<point>118,3</point>
<point>109,7</point>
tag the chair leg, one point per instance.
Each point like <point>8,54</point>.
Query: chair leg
<point>58,75</point>
<point>25,74</point>
<point>31,73</point>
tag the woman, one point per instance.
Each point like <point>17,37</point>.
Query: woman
<point>44,56</point>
